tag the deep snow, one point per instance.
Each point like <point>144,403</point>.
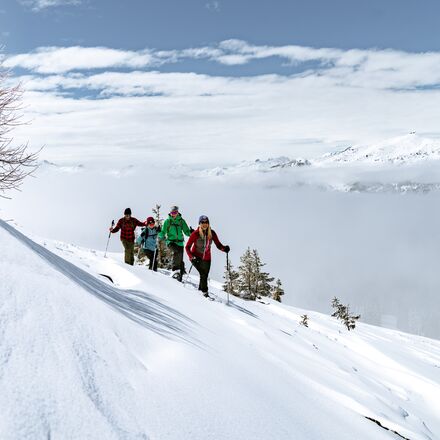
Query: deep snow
<point>145,357</point>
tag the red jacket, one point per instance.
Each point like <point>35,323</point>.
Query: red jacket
<point>127,228</point>
<point>200,247</point>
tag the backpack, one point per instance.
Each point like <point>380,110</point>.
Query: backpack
<point>146,232</point>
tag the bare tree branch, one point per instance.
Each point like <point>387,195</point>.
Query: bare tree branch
<point>16,162</point>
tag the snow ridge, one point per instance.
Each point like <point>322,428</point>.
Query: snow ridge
<point>146,357</point>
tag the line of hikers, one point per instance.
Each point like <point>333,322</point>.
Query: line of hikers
<point>174,228</point>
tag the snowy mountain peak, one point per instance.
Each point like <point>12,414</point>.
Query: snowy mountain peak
<point>405,149</point>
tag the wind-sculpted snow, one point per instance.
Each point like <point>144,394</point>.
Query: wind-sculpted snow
<point>139,306</point>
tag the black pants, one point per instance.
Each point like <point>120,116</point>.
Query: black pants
<point>150,255</point>
<point>203,268</point>
<point>177,252</point>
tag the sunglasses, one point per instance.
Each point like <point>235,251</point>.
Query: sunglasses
<point>151,223</point>
<point>204,222</point>
<point>174,212</point>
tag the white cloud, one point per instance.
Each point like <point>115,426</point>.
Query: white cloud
<point>358,68</point>
<point>64,59</point>
<point>346,97</point>
<point>38,5</point>
<point>213,6</point>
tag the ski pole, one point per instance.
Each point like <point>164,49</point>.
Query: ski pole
<point>108,241</point>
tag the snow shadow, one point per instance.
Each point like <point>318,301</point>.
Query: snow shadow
<point>242,309</point>
<point>137,305</point>
<point>230,304</point>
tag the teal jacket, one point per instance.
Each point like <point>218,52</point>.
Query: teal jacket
<point>173,230</point>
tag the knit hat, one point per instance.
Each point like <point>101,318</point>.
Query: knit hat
<point>203,218</point>
<point>127,211</point>
<point>150,220</point>
<point>174,208</point>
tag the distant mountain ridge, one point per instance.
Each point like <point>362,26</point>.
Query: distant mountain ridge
<point>399,150</point>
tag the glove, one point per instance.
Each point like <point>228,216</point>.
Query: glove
<point>227,249</point>
<point>195,260</point>
<point>191,229</point>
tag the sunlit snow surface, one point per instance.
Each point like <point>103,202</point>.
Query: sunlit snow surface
<point>146,357</point>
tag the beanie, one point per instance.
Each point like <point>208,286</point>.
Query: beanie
<point>203,218</point>
<point>127,211</point>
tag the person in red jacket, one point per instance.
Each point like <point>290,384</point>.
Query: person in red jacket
<point>198,249</point>
<point>127,225</point>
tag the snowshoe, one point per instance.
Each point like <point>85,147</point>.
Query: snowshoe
<point>177,276</point>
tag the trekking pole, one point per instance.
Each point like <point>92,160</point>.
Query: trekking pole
<point>155,253</point>
<point>229,276</point>
<point>186,279</point>
<point>108,241</point>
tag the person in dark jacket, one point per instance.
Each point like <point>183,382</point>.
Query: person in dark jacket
<point>127,225</point>
<point>172,231</point>
<point>148,242</point>
<point>198,249</point>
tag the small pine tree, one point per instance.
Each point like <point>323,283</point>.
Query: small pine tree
<point>339,308</point>
<point>277,291</point>
<point>304,320</point>
<point>164,257</point>
<point>343,314</point>
<point>262,279</point>
<point>246,276</point>
<point>231,280</point>
<point>350,320</point>
<point>251,282</point>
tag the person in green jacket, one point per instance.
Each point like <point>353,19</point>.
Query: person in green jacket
<point>172,231</point>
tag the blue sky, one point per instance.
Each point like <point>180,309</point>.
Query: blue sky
<point>175,24</point>
<point>218,81</point>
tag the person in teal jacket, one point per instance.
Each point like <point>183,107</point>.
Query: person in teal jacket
<point>173,231</point>
<point>147,240</point>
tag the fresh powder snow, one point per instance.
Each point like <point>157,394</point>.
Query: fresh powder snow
<point>145,357</point>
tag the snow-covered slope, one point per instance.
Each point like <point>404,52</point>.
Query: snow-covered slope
<point>408,149</point>
<point>146,358</point>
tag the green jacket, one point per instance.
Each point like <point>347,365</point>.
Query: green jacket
<point>173,230</point>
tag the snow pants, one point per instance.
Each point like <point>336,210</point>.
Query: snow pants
<point>129,251</point>
<point>203,268</point>
<point>177,252</point>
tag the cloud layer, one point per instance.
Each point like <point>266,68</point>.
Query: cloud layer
<point>375,68</point>
<point>330,96</point>
<point>39,5</point>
